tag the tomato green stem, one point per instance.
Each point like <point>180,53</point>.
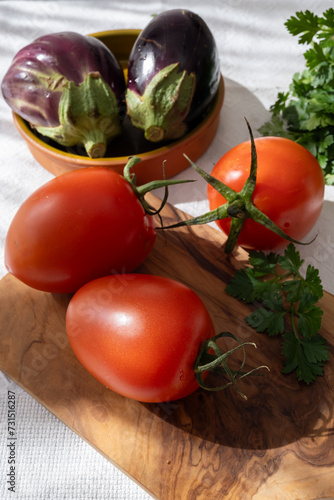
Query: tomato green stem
<point>142,190</point>
<point>239,205</point>
<point>217,363</point>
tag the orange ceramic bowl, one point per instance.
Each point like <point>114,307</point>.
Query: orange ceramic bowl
<point>59,160</point>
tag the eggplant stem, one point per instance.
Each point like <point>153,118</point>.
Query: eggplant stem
<point>154,133</point>
<point>163,107</point>
<point>88,115</point>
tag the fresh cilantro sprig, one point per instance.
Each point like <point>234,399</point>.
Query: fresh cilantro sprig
<point>305,113</point>
<point>286,304</point>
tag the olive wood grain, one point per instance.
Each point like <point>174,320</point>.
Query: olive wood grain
<point>279,444</point>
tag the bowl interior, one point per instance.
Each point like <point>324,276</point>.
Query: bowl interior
<point>120,42</point>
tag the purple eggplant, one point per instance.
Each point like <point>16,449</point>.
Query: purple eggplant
<point>173,75</point>
<point>70,88</point>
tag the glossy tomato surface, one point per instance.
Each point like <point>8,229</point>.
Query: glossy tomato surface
<point>139,335</point>
<point>289,190</point>
<point>77,227</point>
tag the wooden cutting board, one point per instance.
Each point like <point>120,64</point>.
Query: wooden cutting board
<point>279,444</point>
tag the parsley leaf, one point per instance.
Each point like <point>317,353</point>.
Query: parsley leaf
<point>282,295</point>
<point>313,281</point>
<point>305,113</point>
<point>267,321</point>
<point>293,290</point>
<point>291,260</point>
<point>310,321</point>
<point>305,24</point>
<point>247,287</point>
<point>306,358</point>
<point>263,264</point>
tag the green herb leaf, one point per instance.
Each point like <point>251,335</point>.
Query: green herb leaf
<point>263,320</point>
<point>315,56</point>
<point>306,358</point>
<point>317,350</point>
<point>305,113</point>
<point>278,289</point>
<point>291,260</point>
<point>313,281</point>
<point>245,286</point>
<point>293,289</point>
<point>305,24</point>
<point>310,321</point>
<point>263,263</point>
<point>241,287</point>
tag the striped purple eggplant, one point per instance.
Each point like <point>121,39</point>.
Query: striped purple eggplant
<point>70,88</point>
<point>173,75</point>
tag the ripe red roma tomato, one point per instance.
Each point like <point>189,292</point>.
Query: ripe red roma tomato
<point>139,335</point>
<point>77,227</point>
<point>289,190</point>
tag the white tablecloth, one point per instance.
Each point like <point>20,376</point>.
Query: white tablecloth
<point>258,58</point>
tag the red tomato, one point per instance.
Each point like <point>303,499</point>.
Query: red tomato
<point>77,227</point>
<point>139,335</point>
<point>289,190</point>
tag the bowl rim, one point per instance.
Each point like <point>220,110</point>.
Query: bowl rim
<point>127,31</point>
<point>64,156</point>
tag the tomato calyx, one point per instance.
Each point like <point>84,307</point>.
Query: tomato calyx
<point>239,205</point>
<point>218,363</point>
<point>142,190</point>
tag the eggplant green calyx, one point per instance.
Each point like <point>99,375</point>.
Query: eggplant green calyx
<point>88,115</point>
<point>239,205</point>
<point>218,363</point>
<point>164,105</point>
<point>141,191</point>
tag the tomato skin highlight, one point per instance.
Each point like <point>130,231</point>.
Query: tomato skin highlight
<point>77,227</point>
<point>139,335</point>
<point>289,190</point>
